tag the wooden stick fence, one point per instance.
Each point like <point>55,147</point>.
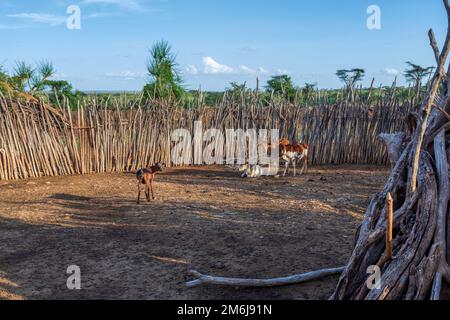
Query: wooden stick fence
<point>38,140</point>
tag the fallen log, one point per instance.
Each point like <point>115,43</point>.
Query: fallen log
<point>276,282</point>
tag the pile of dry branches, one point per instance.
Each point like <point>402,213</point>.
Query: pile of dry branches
<point>406,227</point>
<point>413,261</point>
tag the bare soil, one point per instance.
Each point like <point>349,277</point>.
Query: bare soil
<point>207,219</point>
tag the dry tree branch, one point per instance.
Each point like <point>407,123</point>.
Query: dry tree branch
<point>428,103</point>
<point>439,75</point>
<point>416,233</point>
<point>434,46</point>
<point>277,282</point>
<point>445,113</point>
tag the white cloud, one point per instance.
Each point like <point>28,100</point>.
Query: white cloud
<point>191,69</point>
<point>60,75</point>
<point>127,4</point>
<point>45,18</point>
<point>213,67</point>
<point>102,15</point>
<point>126,74</point>
<point>247,70</point>
<point>49,19</point>
<point>391,72</point>
<point>248,49</point>
<point>263,71</point>
<point>281,72</point>
<point>10,27</point>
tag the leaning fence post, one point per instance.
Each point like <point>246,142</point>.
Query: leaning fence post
<point>390,224</point>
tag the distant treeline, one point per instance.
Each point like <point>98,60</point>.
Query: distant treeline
<point>33,82</point>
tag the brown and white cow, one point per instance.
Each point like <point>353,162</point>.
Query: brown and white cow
<point>293,153</point>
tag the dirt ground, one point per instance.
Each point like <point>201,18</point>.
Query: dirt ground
<point>207,219</point>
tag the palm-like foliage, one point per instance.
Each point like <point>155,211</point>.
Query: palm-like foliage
<point>3,75</point>
<point>31,79</point>
<point>28,82</point>
<point>41,76</point>
<point>162,68</point>
<point>21,76</point>
<point>4,81</point>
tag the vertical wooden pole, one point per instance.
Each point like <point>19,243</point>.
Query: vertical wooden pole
<point>390,224</point>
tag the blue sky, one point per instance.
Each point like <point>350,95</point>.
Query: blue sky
<point>219,41</point>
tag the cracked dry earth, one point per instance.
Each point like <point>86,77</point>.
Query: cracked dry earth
<point>207,219</point>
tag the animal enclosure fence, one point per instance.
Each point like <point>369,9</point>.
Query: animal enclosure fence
<point>42,140</point>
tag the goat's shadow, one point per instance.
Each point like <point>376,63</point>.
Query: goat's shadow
<point>69,197</point>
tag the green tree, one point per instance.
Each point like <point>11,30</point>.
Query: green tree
<point>165,80</point>
<point>4,81</point>
<point>415,74</point>
<point>236,88</point>
<point>31,79</point>
<point>308,90</point>
<point>3,75</point>
<point>28,81</point>
<point>282,85</point>
<point>59,86</point>
<point>350,78</point>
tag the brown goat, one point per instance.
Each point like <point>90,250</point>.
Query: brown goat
<point>146,176</point>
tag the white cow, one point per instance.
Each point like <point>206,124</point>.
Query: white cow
<point>256,171</point>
